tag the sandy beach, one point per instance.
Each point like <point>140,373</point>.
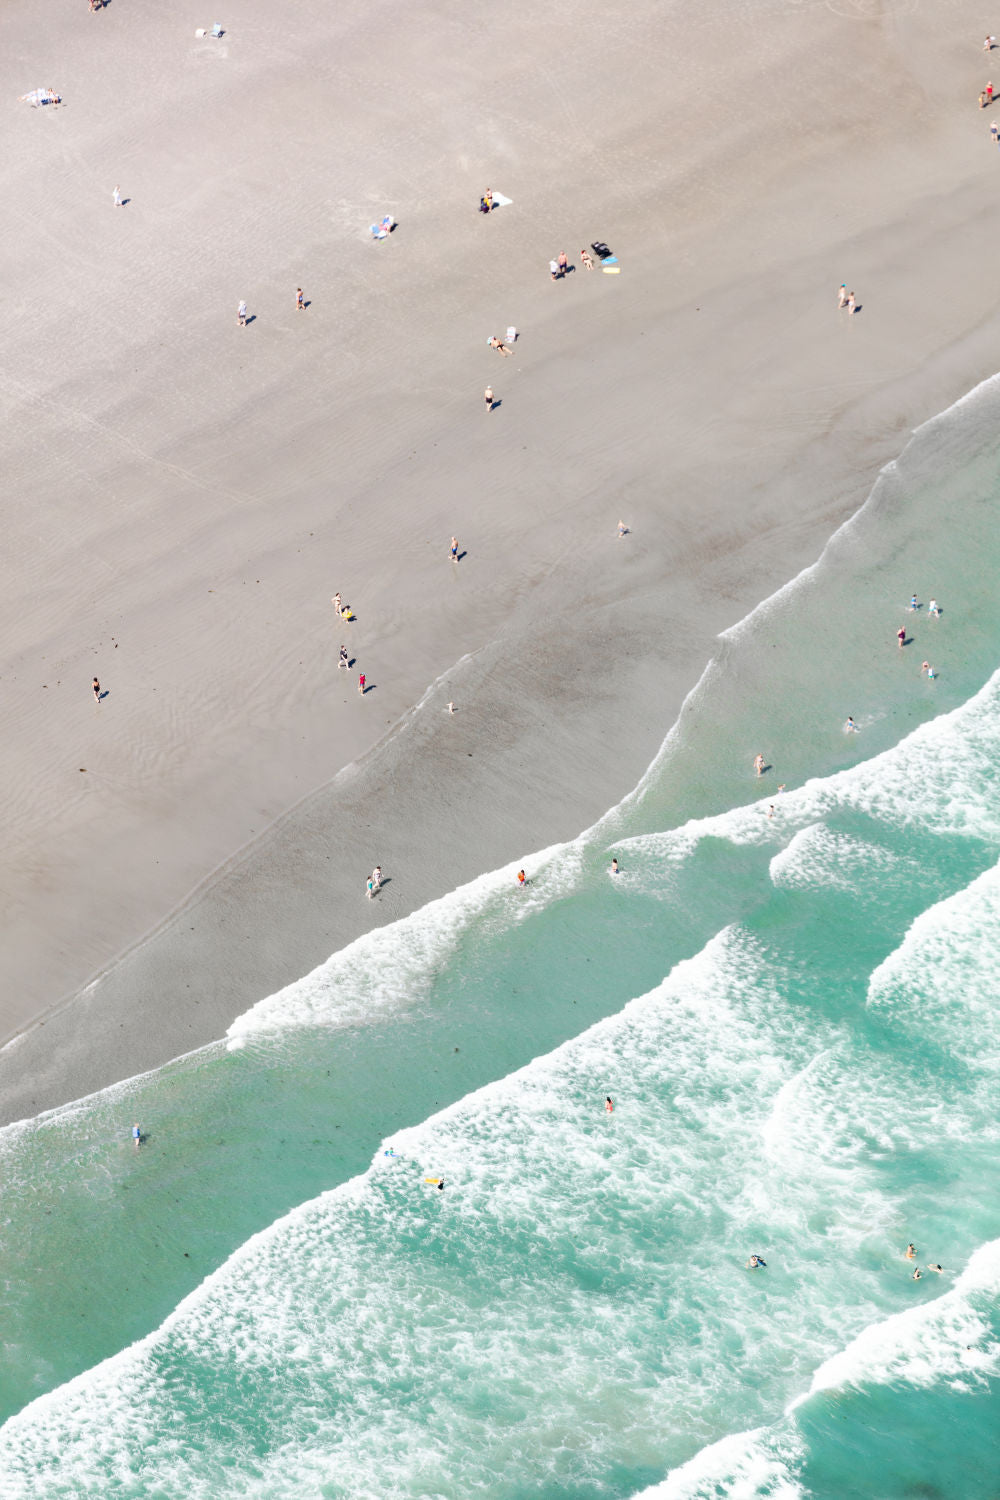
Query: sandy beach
<point>183,495</point>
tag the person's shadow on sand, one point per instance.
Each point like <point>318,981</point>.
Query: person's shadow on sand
<point>494,404</point>
<point>251,317</point>
<point>368,688</point>
<point>103,694</point>
<point>461,556</point>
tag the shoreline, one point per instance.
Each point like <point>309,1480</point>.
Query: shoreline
<point>574,642</point>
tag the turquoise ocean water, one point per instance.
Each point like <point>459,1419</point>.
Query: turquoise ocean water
<point>797,1018</point>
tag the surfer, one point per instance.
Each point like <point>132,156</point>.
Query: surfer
<point>756,1262</point>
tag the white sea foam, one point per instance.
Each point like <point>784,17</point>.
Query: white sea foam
<point>941,778</point>
<point>534,1300</point>
<point>392,968</point>
<point>942,980</point>
<point>817,856</point>
<point>950,1339</point>
<point>755,1465</point>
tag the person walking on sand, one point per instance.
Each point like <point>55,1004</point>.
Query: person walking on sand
<point>587,260</point>
<point>982,100</point>
<point>995,133</point>
<point>758,764</point>
<point>300,300</point>
<point>361,683</point>
<point>370,888</point>
<point>988,44</point>
<point>343,662</point>
<point>488,397</point>
<point>989,93</point>
<point>901,636</point>
<point>97,691</point>
<point>338,606</point>
<point>118,196</point>
<point>453,550</point>
<point>842,295</point>
<point>241,314</point>
<point>563,263</point>
<point>852,305</point>
<point>377,877</point>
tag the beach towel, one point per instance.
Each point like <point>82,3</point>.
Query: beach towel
<point>40,96</point>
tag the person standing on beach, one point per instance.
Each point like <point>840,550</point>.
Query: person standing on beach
<point>299,300</point>
<point>563,263</point>
<point>995,133</point>
<point>335,601</point>
<point>377,877</point>
<point>241,314</point>
<point>842,295</point>
<point>361,683</point>
<point>932,609</point>
<point>488,397</point>
<point>989,93</point>
<point>758,764</point>
<point>343,658</point>
<point>852,305</point>
<point>370,888</point>
<point>97,691</point>
<point>118,196</point>
<point>453,551</point>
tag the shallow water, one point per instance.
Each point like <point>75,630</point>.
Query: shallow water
<point>795,1016</point>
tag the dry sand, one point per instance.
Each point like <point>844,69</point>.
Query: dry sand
<point>183,496</point>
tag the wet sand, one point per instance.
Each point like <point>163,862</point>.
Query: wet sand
<point>183,496</point>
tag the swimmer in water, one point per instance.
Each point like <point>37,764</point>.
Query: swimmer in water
<point>521,880</point>
<point>938,1269</point>
<point>755,1262</point>
<point>916,1274</point>
<point>136,1136</point>
<point>911,1251</point>
<point>758,764</point>
<point>614,867</point>
<point>850,727</point>
<point>770,811</point>
<point>609,1107</point>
